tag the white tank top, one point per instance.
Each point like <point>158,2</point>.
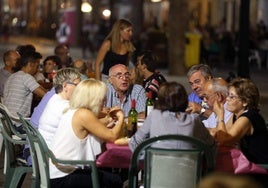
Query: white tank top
<point>66,145</point>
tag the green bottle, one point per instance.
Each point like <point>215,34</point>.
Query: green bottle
<point>132,119</point>
<point>149,105</point>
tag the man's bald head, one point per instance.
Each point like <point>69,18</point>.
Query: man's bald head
<point>116,67</point>
<point>215,89</point>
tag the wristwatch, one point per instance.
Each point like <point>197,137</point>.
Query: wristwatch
<point>202,111</point>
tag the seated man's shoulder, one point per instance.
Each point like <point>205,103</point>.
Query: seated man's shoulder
<point>137,88</point>
<point>109,86</point>
<point>193,97</point>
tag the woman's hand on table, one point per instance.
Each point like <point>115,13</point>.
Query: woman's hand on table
<point>122,141</point>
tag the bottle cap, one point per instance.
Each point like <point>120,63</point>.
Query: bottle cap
<point>150,94</point>
<point>133,103</point>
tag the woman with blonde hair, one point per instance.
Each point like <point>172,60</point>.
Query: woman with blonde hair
<point>116,48</point>
<point>78,125</point>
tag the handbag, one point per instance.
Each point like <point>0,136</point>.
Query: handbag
<point>232,160</point>
<point>243,166</point>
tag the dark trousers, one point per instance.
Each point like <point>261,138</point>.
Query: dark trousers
<point>82,178</point>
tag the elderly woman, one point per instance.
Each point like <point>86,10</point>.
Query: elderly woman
<point>248,128</point>
<point>78,124</point>
<point>169,117</point>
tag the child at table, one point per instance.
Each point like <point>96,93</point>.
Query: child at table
<point>169,117</point>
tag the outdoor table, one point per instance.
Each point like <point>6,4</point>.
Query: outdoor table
<point>114,156</point>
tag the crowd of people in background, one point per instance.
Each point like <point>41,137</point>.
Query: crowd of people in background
<point>70,100</point>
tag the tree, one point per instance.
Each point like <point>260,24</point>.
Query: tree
<point>177,27</point>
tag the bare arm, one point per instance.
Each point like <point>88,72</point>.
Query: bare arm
<point>231,135</point>
<point>100,57</point>
<point>85,122</point>
<point>40,91</point>
<point>240,128</point>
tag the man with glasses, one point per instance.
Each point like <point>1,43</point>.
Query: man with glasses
<point>53,103</point>
<point>215,90</point>
<point>198,75</point>
<point>121,91</point>
<point>67,79</point>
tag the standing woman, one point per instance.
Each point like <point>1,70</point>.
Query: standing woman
<point>115,49</point>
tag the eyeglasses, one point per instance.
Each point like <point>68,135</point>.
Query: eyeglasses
<point>72,83</point>
<point>197,82</point>
<point>232,97</point>
<point>121,75</point>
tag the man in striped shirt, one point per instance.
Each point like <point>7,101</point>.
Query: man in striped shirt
<point>20,86</point>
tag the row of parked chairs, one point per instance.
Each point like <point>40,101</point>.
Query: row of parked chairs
<point>161,167</point>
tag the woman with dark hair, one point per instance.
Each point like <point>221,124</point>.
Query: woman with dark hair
<point>45,77</point>
<point>248,127</point>
<point>169,117</point>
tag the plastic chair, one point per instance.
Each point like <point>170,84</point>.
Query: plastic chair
<point>11,117</point>
<point>171,167</point>
<point>41,154</point>
<point>15,169</point>
<point>16,135</point>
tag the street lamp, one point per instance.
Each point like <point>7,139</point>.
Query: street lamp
<point>86,7</point>
<point>106,13</point>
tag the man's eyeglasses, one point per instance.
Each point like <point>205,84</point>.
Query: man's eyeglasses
<point>121,75</point>
<point>72,83</point>
<point>197,82</point>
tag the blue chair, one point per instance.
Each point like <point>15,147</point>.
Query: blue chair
<point>168,167</point>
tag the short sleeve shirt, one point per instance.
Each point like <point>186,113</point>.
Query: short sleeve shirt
<point>193,97</point>
<point>4,74</point>
<point>18,93</point>
<point>136,92</point>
